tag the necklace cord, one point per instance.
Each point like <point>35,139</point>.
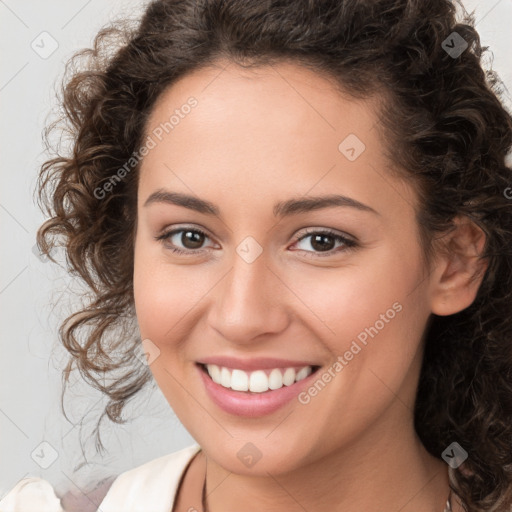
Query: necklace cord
<point>203,497</point>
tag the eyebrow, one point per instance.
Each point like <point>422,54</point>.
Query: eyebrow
<point>282,209</point>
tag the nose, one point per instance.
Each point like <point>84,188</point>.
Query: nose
<point>250,301</point>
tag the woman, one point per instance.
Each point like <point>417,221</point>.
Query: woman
<point>303,207</point>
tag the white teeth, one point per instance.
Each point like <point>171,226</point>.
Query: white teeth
<point>214,372</point>
<point>257,381</point>
<point>225,377</point>
<point>303,373</point>
<point>275,379</point>
<point>239,380</point>
<point>289,377</point>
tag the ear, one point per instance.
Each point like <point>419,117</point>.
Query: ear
<point>459,269</point>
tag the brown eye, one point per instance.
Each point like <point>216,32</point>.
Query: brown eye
<point>324,241</point>
<point>192,239</point>
<point>183,240</point>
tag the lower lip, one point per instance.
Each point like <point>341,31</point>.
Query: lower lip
<point>252,405</point>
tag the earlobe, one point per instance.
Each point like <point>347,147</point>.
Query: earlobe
<point>459,268</point>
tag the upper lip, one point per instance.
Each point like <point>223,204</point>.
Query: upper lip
<point>255,363</point>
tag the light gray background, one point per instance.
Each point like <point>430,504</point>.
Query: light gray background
<point>30,289</point>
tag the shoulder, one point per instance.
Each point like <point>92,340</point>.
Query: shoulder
<point>31,494</point>
<point>150,487</point>
<point>86,499</point>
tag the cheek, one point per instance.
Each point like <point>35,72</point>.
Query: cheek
<point>158,298</point>
<point>168,297</point>
<point>368,302</point>
<point>366,315</point>
<point>164,304</point>
<point>161,300</point>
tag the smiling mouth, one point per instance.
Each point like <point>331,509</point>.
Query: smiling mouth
<point>256,381</point>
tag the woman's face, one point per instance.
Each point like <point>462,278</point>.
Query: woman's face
<point>265,149</point>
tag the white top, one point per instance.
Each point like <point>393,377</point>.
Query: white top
<point>150,487</point>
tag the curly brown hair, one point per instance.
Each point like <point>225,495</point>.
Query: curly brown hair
<point>443,123</point>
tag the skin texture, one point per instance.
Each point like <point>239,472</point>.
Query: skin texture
<point>257,137</point>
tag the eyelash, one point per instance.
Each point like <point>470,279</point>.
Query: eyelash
<point>348,243</point>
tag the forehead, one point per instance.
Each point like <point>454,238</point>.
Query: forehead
<point>280,127</point>
<point>284,94</point>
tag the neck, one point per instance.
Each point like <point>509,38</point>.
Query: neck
<point>348,480</point>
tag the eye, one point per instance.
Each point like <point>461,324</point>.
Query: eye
<point>324,241</point>
<point>191,239</point>
<point>320,241</point>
